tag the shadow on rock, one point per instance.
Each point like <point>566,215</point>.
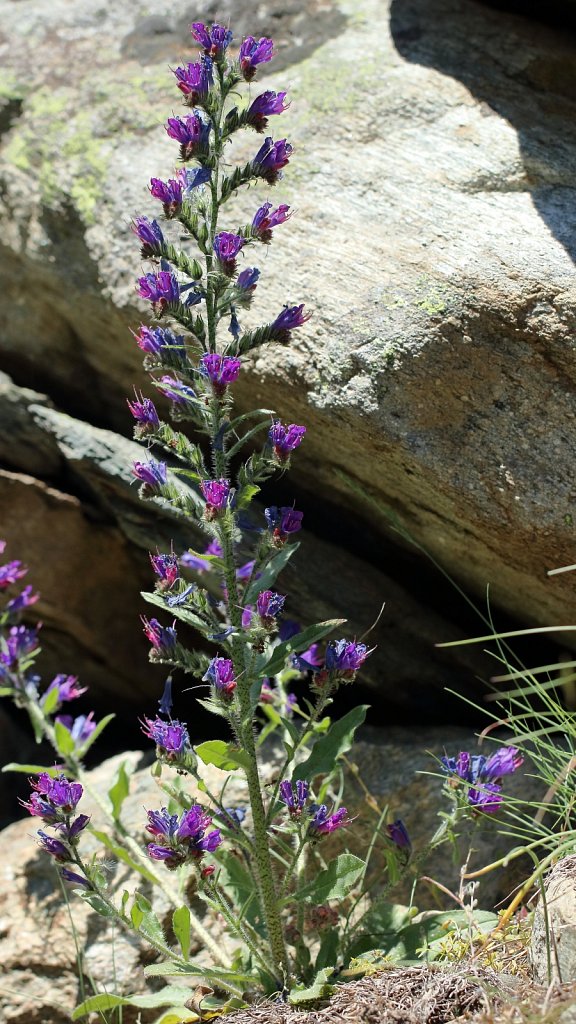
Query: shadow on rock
<point>525,72</point>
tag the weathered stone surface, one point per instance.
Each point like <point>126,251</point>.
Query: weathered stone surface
<point>553,945</point>
<point>38,978</point>
<point>100,534</point>
<point>434,183</point>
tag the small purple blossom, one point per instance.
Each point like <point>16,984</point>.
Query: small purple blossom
<point>285,439</point>
<point>217,495</point>
<point>253,53</point>
<point>192,177</point>
<point>486,798</point>
<point>288,320</point>
<point>20,641</point>
<point>175,390</point>
<point>184,837</point>
<point>226,247</point>
<point>26,598</point>
<point>152,474</point>
<point>162,638</point>
<point>220,370</point>
<point>191,132</point>
<point>53,800</point>
<point>160,289</point>
<point>72,876</point>
<point>215,40</point>
<point>269,605</point>
<point>199,562</point>
<point>67,687</point>
<point>482,775</point>
<point>220,673</point>
<point>150,235</point>
<point>145,414</point>
<point>265,219</point>
<point>244,572</point>
<point>263,106</point>
<point>163,344</point>
<point>247,279</point>
<point>80,728</point>
<point>247,613</point>
<point>11,572</point>
<point>310,660</point>
<point>169,193</point>
<point>504,761</point>
<point>282,522</point>
<point>345,657</point>
<point>195,81</point>
<point>322,823</point>
<point>54,847</point>
<point>166,569</point>
<point>165,702</point>
<point>398,833</point>
<point>171,738</point>
<point>294,797</point>
<point>270,159</point>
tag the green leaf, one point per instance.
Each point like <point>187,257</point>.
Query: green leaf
<point>94,736</point>
<point>181,928</point>
<point>6,691</point>
<point>149,926</point>
<point>300,642</point>
<point>32,769</point>
<point>402,935</point>
<point>236,880</point>
<point>245,494</point>
<point>97,903</point>
<point>65,744</point>
<point>222,755</point>
<point>168,996</point>
<point>50,701</point>
<point>328,954</point>
<point>328,748</point>
<point>320,988</point>
<point>119,790</point>
<point>172,968</point>
<point>184,614</point>
<point>123,855</point>
<point>335,882</point>
<point>271,572</point>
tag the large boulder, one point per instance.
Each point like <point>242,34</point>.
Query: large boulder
<point>433,238</point>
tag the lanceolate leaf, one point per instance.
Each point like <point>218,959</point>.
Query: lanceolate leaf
<point>270,572</point>
<point>319,989</point>
<point>94,735</point>
<point>31,769</point>
<point>335,882</point>
<point>168,996</point>
<point>300,642</point>
<point>328,748</point>
<point>178,612</point>
<point>222,755</point>
<point>181,928</point>
<point>119,790</point>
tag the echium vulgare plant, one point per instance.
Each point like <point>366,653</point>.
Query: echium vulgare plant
<point>292,917</point>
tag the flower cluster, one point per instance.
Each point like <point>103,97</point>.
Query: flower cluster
<point>481,777</point>
<point>55,800</point>
<point>181,838</point>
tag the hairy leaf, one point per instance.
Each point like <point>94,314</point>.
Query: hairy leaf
<point>328,748</point>
<point>335,882</point>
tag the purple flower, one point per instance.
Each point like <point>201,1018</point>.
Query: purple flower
<point>397,832</point>
<point>20,641</point>
<point>247,616</point>
<point>220,370</point>
<point>263,106</point>
<point>345,657</point>
<point>152,474</point>
<point>486,799</point>
<point>198,562</point>
<point>467,767</point>
<point>23,600</point>
<point>285,439</point>
<point>252,54</point>
<point>145,414</point>
<point>504,761</point>
<point>165,702</point>
<point>162,638</point>
<point>11,572</point>
<point>294,798</point>
<point>54,847</point>
<point>270,159</point>
<point>169,193</point>
<point>191,178</point>
<point>286,321</point>
<point>227,246</point>
<point>310,660</point>
<point>244,572</point>
<point>166,568</point>
<point>264,220</point>
<point>67,687</point>
<point>195,81</point>
<point>269,605</point>
<point>171,738</point>
<point>321,822</point>
<point>192,134</point>
<point>247,279</point>
<point>71,876</point>
<point>220,673</point>
<point>215,41</point>
<point>234,328</point>
<point>53,800</point>
<point>160,289</point>
<point>163,344</point>
<point>150,234</point>
<point>217,494</point>
<point>185,837</point>
<point>282,522</point>
<point>80,728</point>
<point>175,390</point>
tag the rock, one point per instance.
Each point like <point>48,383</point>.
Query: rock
<point>101,533</point>
<point>434,242</point>
<point>37,953</point>
<point>553,945</point>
